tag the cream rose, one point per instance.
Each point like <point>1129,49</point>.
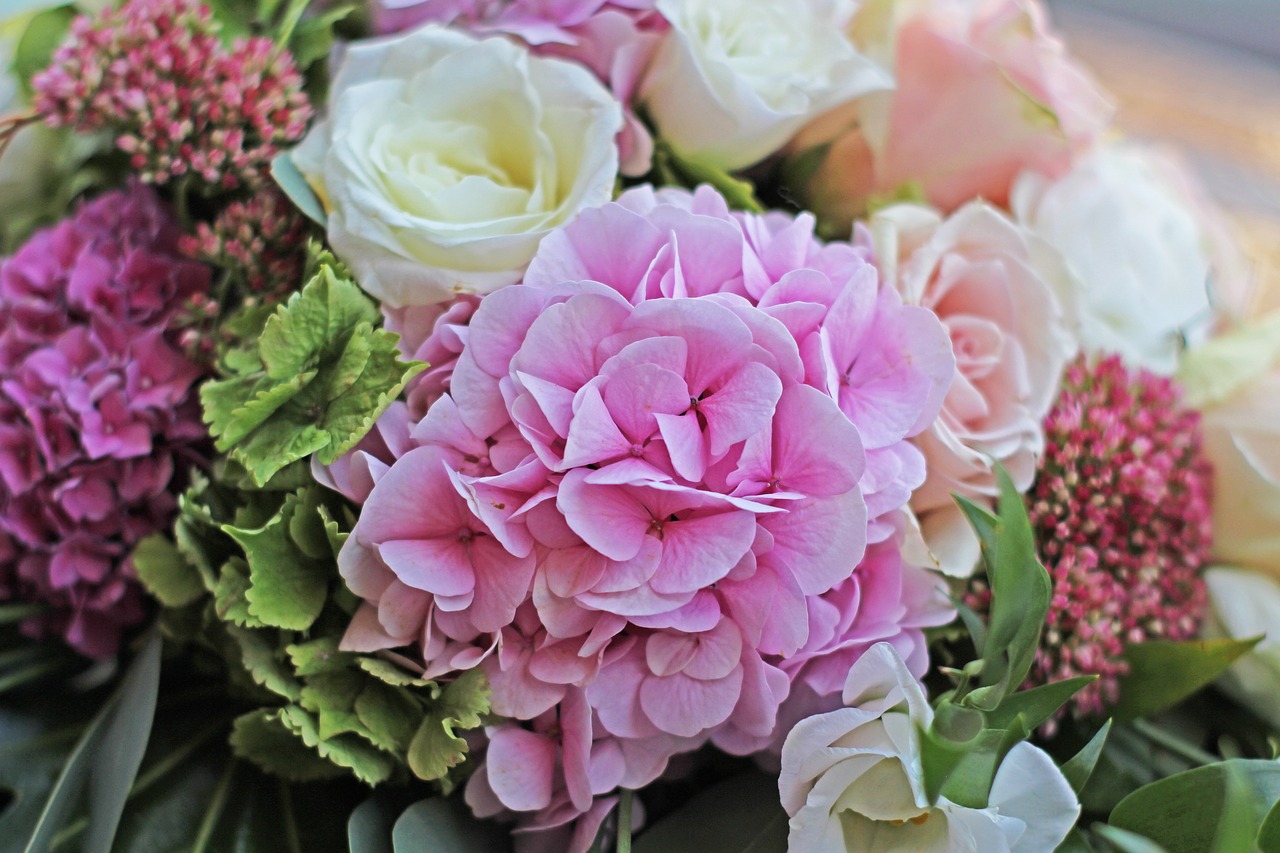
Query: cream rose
<point>993,286</point>
<point>1135,244</point>
<point>852,779</point>
<point>1247,604</point>
<point>733,80</point>
<point>1235,381</point>
<point>445,159</point>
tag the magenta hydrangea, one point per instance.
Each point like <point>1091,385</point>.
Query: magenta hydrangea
<point>97,413</point>
<point>644,505</point>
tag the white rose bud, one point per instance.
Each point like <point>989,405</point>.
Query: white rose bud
<point>445,159</point>
<point>853,780</point>
<point>734,80</point>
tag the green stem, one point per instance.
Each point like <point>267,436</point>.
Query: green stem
<point>21,654</point>
<point>17,612</point>
<point>1172,743</point>
<point>30,673</point>
<point>290,822</point>
<point>624,822</point>
<point>216,804</point>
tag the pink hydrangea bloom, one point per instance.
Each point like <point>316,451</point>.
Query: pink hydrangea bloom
<point>96,411</point>
<point>614,38</point>
<point>655,461</point>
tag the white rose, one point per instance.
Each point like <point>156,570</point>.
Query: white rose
<point>1247,604</point>
<point>445,159</point>
<point>1135,245</point>
<point>852,779</point>
<point>734,80</point>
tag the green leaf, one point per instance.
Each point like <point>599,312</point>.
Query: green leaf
<point>165,572</point>
<point>1162,673</point>
<point>124,742</point>
<point>1181,812</point>
<point>370,826</point>
<point>1128,842</point>
<point>446,824</point>
<point>42,36</point>
<point>738,815</point>
<point>296,187</point>
<point>313,39</point>
<point>229,601</point>
<point>390,715</point>
<point>1020,590</point>
<point>1269,833</point>
<point>369,764</point>
<point>1080,766</point>
<point>318,656</point>
<point>436,747</point>
<point>35,740</point>
<point>287,589</point>
<point>106,758</point>
<point>388,672</point>
<point>260,658</point>
<point>314,381</point>
<point>1037,704</point>
<point>263,738</point>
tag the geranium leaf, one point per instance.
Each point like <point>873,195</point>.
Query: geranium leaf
<point>315,379</point>
<point>436,746</point>
<point>165,572</point>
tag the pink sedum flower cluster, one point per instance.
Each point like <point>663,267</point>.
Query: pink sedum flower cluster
<point>644,505</point>
<point>615,39</point>
<point>156,74</point>
<point>96,411</point>
<point>1121,510</point>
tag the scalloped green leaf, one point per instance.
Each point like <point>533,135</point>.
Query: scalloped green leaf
<point>262,737</point>
<point>165,572</point>
<point>314,381</point>
<point>436,747</point>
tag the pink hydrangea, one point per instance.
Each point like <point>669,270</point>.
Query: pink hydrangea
<point>651,483</point>
<point>96,411</point>
<point>614,38</point>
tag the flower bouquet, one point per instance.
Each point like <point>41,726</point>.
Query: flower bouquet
<point>593,425</point>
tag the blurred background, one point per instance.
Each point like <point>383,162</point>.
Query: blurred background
<point>1201,77</point>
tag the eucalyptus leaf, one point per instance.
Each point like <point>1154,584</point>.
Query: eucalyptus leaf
<point>738,815</point>
<point>1037,704</point>
<point>370,826</point>
<point>1181,812</point>
<point>295,186</point>
<point>1162,673</point>
<point>444,823</point>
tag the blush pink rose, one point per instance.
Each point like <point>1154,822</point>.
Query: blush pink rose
<point>993,285</point>
<point>984,91</point>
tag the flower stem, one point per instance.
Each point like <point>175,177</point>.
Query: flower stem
<point>624,823</point>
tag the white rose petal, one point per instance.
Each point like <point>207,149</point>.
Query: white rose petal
<point>1247,604</point>
<point>1138,253</point>
<point>445,159</point>
<point>852,779</point>
<point>734,80</point>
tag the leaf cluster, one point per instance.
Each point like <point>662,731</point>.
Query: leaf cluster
<point>985,715</point>
<point>252,576</point>
<point>313,381</point>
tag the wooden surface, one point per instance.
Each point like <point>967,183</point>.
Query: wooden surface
<point>1216,105</point>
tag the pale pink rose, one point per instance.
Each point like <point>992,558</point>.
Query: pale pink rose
<point>984,90</point>
<point>989,281</point>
